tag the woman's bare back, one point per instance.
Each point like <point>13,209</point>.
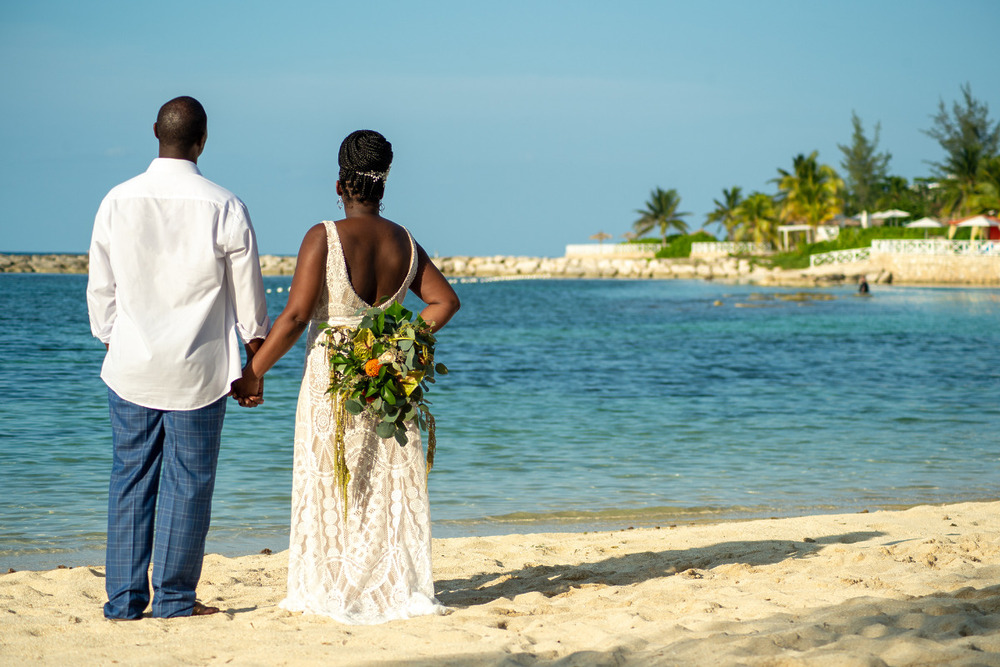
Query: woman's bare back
<point>377,253</point>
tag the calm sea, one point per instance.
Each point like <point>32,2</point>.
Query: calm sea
<point>572,405</point>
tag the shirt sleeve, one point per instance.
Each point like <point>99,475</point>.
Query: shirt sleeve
<point>246,283</point>
<point>101,281</point>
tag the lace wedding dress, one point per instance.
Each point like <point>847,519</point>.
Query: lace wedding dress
<point>375,566</point>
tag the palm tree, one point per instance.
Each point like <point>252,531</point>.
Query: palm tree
<point>660,211</point>
<point>811,193</point>
<point>725,210</point>
<point>757,219</point>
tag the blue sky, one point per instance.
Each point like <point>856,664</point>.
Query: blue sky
<point>518,127</point>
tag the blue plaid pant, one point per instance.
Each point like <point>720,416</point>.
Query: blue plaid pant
<point>162,478</point>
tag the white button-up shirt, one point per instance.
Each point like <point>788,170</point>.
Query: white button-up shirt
<point>174,283</point>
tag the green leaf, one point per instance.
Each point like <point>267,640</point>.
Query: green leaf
<point>377,404</point>
<point>366,322</point>
<point>353,407</point>
<point>405,345</point>
<point>388,396</point>
<point>401,437</point>
<point>385,429</point>
<point>441,368</point>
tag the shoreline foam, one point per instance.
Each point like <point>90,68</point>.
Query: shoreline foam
<point>895,588</point>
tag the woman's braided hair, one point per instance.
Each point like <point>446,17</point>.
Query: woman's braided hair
<point>365,158</point>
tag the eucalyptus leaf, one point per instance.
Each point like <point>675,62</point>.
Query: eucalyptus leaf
<point>401,437</point>
<point>441,368</point>
<point>388,396</point>
<point>385,429</point>
<point>353,406</point>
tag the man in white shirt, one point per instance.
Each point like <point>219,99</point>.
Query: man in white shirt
<point>174,285</point>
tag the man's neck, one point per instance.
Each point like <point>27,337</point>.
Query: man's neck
<point>175,153</point>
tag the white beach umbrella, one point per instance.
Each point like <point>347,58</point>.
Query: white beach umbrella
<point>924,223</point>
<point>893,213</point>
<point>980,221</point>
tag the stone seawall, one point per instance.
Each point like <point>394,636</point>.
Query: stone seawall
<point>923,269</point>
<point>941,269</point>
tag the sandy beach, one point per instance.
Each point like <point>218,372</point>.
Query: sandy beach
<point>913,587</point>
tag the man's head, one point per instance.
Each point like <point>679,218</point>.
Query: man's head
<point>182,128</point>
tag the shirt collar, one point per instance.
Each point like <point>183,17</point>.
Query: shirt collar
<point>167,165</point>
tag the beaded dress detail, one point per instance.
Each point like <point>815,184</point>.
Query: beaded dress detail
<point>375,565</point>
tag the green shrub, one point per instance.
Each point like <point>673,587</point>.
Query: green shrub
<point>680,244</point>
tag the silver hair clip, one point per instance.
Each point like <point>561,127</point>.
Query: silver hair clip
<point>377,175</point>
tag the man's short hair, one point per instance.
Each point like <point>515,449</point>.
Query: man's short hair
<point>181,122</point>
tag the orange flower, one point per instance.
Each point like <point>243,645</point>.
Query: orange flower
<point>372,367</point>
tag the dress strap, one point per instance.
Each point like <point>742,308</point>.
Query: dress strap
<point>336,264</point>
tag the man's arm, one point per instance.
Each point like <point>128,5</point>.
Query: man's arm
<point>247,291</point>
<point>101,305</point>
<point>246,282</point>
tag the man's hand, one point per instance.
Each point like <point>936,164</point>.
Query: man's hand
<point>248,391</point>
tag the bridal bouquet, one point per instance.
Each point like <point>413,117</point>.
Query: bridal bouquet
<point>381,369</point>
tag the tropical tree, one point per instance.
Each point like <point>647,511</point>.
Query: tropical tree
<point>725,210</point>
<point>921,198</point>
<point>661,211</point>
<point>866,169</point>
<point>757,219</point>
<point>969,140</point>
<point>987,196</point>
<point>811,192</point>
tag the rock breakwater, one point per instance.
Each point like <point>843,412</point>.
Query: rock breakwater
<point>516,267</point>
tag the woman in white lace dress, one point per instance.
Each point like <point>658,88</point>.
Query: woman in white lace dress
<point>374,565</point>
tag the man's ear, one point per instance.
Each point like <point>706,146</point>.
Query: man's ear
<point>156,131</point>
<point>340,192</point>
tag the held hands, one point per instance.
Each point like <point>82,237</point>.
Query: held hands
<point>248,391</point>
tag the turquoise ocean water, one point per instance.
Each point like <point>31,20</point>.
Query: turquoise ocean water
<point>572,405</point>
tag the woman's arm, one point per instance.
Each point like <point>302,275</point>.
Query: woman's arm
<point>433,289</point>
<point>307,283</point>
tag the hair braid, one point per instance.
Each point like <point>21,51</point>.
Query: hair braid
<point>365,158</point>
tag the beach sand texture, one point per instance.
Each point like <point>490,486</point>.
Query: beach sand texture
<point>913,587</point>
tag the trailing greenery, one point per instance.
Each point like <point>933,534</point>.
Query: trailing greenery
<point>680,244</point>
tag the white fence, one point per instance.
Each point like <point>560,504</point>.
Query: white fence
<point>839,257</point>
<point>907,247</point>
<point>716,248</point>
<point>935,247</point>
<point>613,250</point>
